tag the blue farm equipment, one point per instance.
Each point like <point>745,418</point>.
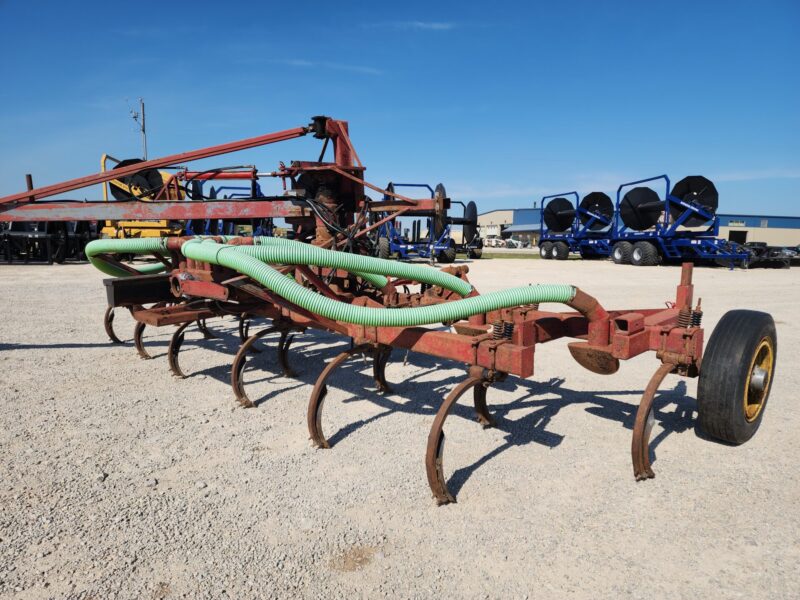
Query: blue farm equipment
<point>683,226</point>
<point>576,226</point>
<point>642,228</point>
<point>196,191</point>
<point>437,243</point>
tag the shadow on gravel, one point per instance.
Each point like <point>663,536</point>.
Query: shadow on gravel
<point>312,349</point>
<point>532,428</point>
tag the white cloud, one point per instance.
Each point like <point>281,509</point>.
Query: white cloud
<point>308,64</point>
<point>428,25</point>
<point>415,25</point>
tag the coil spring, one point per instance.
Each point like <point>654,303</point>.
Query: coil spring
<point>697,318</point>
<point>497,330</point>
<point>502,330</point>
<point>685,318</point>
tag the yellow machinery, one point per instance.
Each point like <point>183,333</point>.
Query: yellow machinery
<point>147,185</point>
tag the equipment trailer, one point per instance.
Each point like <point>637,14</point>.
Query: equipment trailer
<point>439,243</point>
<point>641,228</point>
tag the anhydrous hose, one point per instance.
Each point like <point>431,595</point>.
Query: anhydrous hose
<point>125,246</point>
<point>229,256</point>
<point>283,251</point>
<point>249,260</point>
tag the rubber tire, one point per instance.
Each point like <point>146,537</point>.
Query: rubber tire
<point>447,255</point>
<point>621,253</point>
<point>59,243</point>
<point>384,249</point>
<point>647,254</point>
<point>545,249</point>
<point>475,253</point>
<point>560,251</point>
<point>723,374</point>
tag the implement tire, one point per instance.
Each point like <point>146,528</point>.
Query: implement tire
<point>621,253</point>
<point>644,254</point>
<point>736,375</point>
<point>384,249</point>
<point>560,251</point>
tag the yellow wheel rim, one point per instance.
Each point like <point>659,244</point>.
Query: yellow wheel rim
<point>758,379</point>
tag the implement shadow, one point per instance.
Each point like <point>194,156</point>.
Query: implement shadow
<point>533,427</point>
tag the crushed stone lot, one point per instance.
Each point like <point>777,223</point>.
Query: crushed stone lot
<point>121,481</point>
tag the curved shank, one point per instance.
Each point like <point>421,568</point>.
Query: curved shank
<point>137,340</point>
<point>238,364</point>
<point>379,368</point>
<point>201,325</point>
<point>108,324</point>
<point>174,348</point>
<point>435,449</point>
<point>319,392</point>
<point>283,353</point>
<point>640,451</point>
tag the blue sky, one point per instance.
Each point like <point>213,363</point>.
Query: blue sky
<point>503,101</point>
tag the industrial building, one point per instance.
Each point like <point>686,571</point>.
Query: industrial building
<point>523,224</point>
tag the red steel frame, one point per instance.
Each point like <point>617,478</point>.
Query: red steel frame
<point>28,205</point>
<point>602,338</point>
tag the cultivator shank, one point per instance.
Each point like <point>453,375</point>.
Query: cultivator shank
<point>492,345</point>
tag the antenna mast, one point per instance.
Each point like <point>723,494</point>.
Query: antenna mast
<point>138,116</point>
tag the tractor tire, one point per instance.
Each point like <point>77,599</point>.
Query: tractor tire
<point>59,243</point>
<point>621,253</point>
<point>475,253</point>
<point>545,249</point>
<point>736,375</point>
<point>644,254</point>
<point>384,248</point>
<point>447,255</point>
<point>560,251</point>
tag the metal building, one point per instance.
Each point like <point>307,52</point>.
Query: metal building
<point>775,231</point>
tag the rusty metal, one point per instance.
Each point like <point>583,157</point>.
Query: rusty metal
<point>238,364</point>
<point>138,342</point>
<point>108,325</point>
<point>382,354</point>
<point>156,163</point>
<point>492,345</point>
<point>201,325</point>
<point>174,349</point>
<point>317,400</point>
<point>286,330</point>
<point>434,454</point>
<point>283,353</point>
<point>640,449</point>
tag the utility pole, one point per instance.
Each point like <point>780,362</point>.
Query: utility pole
<point>138,116</point>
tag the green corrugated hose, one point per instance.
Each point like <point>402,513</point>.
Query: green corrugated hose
<point>126,246</point>
<point>231,257</point>
<point>283,251</point>
<point>249,260</point>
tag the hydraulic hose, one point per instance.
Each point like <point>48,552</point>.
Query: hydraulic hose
<point>379,281</point>
<point>283,251</point>
<point>233,258</point>
<point>125,246</point>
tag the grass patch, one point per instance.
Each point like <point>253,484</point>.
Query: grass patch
<point>526,255</point>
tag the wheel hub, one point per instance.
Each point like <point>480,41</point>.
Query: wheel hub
<point>758,380</point>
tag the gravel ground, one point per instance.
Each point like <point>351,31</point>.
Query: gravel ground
<point>119,480</point>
